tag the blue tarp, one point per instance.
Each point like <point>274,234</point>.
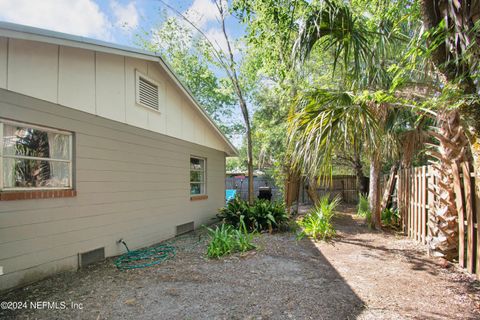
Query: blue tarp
<point>230,194</point>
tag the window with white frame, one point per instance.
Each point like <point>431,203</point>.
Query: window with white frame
<point>33,157</point>
<point>197,176</point>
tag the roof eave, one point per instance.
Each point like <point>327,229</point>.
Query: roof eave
<point>12,30</point>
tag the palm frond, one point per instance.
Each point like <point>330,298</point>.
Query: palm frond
<point>333,24</point>
<point>326,121</point>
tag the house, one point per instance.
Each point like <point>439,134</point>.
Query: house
<point>97,142</point>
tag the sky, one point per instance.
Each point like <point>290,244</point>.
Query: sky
<point>114,21</point>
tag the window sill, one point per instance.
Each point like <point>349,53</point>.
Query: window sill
<point>196,198</point>
<point>36,194</point>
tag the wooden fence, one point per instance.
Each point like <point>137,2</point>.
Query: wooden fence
<point>345,186</point>
<point>415,199</point>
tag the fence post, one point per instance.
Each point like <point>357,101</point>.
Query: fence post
<point>457,187</point>
<point>467,184</point>
<point>415,204</point>
<point>430,183</point>
<point>424,202</point>
<point>409,201</point>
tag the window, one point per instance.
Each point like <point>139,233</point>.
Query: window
<point>34,158</point>
<point>197,176</point>
<point>147,92</point>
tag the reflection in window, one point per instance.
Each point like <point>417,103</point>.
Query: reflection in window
<point>35,157</point>
<point>197,176</point>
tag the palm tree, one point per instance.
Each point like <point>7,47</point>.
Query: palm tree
<point>454,48</point>
<point>365,55</point>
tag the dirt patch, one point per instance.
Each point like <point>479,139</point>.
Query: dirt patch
<point>361,274</point>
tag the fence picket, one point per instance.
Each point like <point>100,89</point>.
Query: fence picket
<point>423,202</point>
<point>430,199</point>
<point>457,187</point>
<point>416,202</point>
<point>469,213</point>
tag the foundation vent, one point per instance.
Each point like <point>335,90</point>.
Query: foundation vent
<point>185,228</point>
<point>89,257</point>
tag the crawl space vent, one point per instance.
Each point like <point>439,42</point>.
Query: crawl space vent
<point>184,228</point>
<point>147,93</point>
<point>86,258</point>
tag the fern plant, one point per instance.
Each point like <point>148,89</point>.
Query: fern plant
<point>390,217</point>
<point>317,223</point>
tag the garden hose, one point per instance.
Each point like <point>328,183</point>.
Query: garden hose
<point>144,258</point>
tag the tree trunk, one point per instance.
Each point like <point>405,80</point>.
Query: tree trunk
<point>461,18</point>
<point>360,177</point>
<point>311,188</point>
<point>443,224</point>
<point>251,195</point>
<point>389,188</point>
<point>374,190</point>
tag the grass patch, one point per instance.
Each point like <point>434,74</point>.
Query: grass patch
<point>363,209</point>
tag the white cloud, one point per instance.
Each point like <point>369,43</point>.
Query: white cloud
<point>125,15</point>
<point>80,17</point>
<point>216,36</point>
<point>201,12</point>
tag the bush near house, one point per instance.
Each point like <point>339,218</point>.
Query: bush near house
<point>262,215</point>
<point>225,239</point>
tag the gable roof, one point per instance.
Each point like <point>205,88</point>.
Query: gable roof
<point>17,31</point>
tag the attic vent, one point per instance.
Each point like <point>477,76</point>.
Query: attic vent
<point>147,92</point>
<point>86,258</point>
<point>184,228</point>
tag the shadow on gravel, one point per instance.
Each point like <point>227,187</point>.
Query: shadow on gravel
<point>283,279</point>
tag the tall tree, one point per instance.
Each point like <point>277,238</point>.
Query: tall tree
<point>189,56</point>
<point>453,41</point>
<point>225,59</point>
<point>363,49</point>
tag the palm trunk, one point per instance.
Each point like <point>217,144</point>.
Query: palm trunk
<point>374,190</point>
<point>311,189</point>
<point>443,225</point>
<point>360,177</point>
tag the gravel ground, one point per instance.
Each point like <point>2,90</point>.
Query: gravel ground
<point>361,274</point>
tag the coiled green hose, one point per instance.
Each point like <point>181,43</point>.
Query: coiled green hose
<point>144,258</point>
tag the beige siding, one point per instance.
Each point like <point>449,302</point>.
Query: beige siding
<point>33,70</point>
<point>132,184</point>
<point>102,84</point>
<point>110,86</point>
<point>3,62</point>
<point>173,112</point>
<point>76,82</point>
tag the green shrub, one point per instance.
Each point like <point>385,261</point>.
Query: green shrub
<point>262,215</point>
<point>364,208</point>
<point>225,239</point>
<point>317,222</point>
<point>390,217</point>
